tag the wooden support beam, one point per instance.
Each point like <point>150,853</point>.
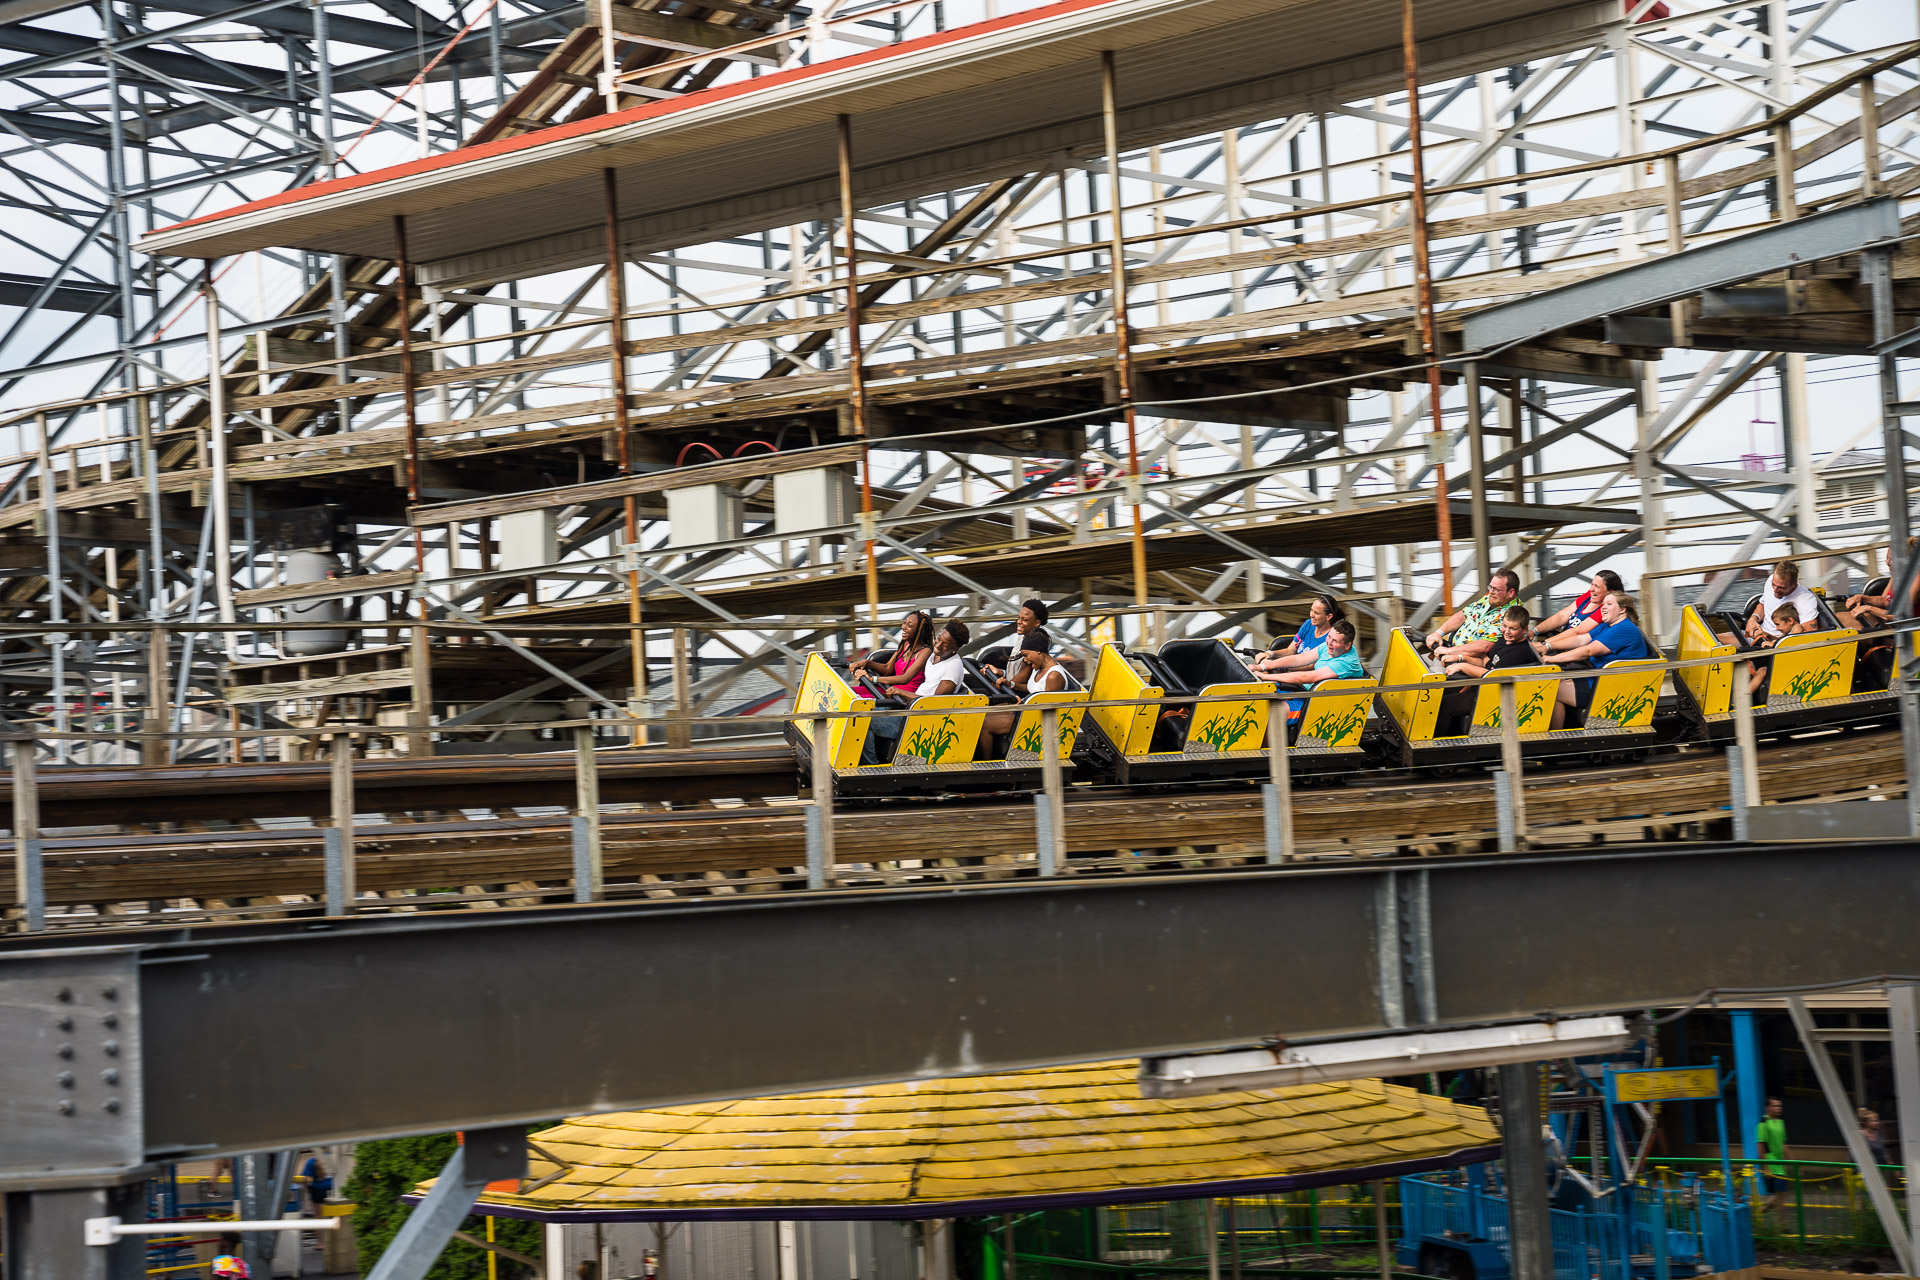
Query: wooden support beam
<point>684,35</point>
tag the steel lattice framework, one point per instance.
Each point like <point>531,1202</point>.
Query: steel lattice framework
<point>987,315</point>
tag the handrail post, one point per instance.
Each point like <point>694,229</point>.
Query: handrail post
<point>1512,796</point>
<point>1869,138</point>
<point>29,877</point>
<point>1276,797</point>
<point>1783,171</point>
<point>589,874</point>
<point>1747,760</point>
<point>820,812</point>
<point>1050,808</point>
<point>341,887</point>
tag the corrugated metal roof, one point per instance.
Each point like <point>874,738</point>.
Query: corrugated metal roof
<point>934,1148</point>
<point>992,98</point>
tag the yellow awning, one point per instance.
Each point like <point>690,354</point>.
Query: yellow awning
<point>984,1144</point>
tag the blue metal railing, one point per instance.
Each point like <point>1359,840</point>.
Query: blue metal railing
<point>1641,1233</point>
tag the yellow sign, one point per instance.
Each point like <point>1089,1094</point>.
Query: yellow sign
<point>1676,1085</point>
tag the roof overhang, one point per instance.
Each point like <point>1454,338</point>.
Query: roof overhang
<point>988,100</point>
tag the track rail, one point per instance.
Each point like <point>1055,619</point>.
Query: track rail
<point>752,844</point>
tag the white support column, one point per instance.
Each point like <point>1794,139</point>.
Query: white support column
<point>1658,597</point>
<point>1796,428</point>
<point>1903,1017</point>
<point>554,1253</point>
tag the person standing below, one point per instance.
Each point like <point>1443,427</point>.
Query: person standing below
<point>228,1264</point>
<point>1770,1135</point>
<point>1473,631</point>
<point>1870,1133</point>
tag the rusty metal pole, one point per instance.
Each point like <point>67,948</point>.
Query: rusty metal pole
<point>623,449</point>
<point>857,379</point>
<point>1423,303</point>
<point>1123,333</point>
<point>403,284</point>
<point>419,742</point>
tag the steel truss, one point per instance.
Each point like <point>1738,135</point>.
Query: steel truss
<point>432,406</point>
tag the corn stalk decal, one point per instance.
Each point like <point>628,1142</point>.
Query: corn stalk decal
<point>1335,730</point>
<point>1622,708</point>
<point>1223,733</point>
<point>931,742</point>
<point>1808,685</point>
<point>1029,739</point>
<point>1526,713</point>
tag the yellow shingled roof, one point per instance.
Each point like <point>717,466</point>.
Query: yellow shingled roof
<point>1078,1134</point>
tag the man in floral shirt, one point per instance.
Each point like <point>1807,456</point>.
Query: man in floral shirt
<point>1475,629</point>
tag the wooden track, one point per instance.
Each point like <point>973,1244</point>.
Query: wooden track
<point>82,795</point>
<point>757,846</point>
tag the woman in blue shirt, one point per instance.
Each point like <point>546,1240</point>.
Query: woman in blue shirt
<point>1616,637</point>
<point>1303,652</point>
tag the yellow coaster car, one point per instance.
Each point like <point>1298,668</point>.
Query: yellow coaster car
<point>1443,722</point>
<point>1812,683</point>
<point>936,744</point>
<point>1213,739</point>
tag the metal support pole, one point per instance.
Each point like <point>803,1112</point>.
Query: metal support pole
<point>1423,304</point>
<point>1869,139</point>
<point>1842,1107</point>
<point>678,734</point>
<point>219,494</point>
<point>1529,1232</point>
<point>486,1155</point>
<point>623,427</point>
<point>1751,1088</point>
<point>1123,331</point>
<point>29,875</point>
<point>1276,797</point>
<point>857,375</point>
<point>820,813</point>
<point>1743,736</point>
<point>1477,460</point>
<point>56,575</point>
<point>1737,792</point>
<point>1052,815</point>
<point>420,666</point>
<point>1511,763</point>
<point>1903,1019</point>
<point>409,385</point>
<point>1674,199</point>
<point>153,748</point>
<point>1380,1228</point>
<point>46,1234</point>
<point>1877,266</point>
<point>341,889</point>
<point>589,875</point>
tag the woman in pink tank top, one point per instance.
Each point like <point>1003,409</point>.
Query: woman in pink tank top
<point>901,671</point>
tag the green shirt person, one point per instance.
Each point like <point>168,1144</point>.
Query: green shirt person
<point>1770,1135</point>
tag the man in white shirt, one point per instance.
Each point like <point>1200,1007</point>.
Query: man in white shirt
<point>1783,588</point>
<point>946,673</point>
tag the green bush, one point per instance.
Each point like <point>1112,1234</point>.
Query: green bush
<point>384,1171</point>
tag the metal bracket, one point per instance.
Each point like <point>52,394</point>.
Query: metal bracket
<point>70,1080</point>
<point>1403,943</point>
